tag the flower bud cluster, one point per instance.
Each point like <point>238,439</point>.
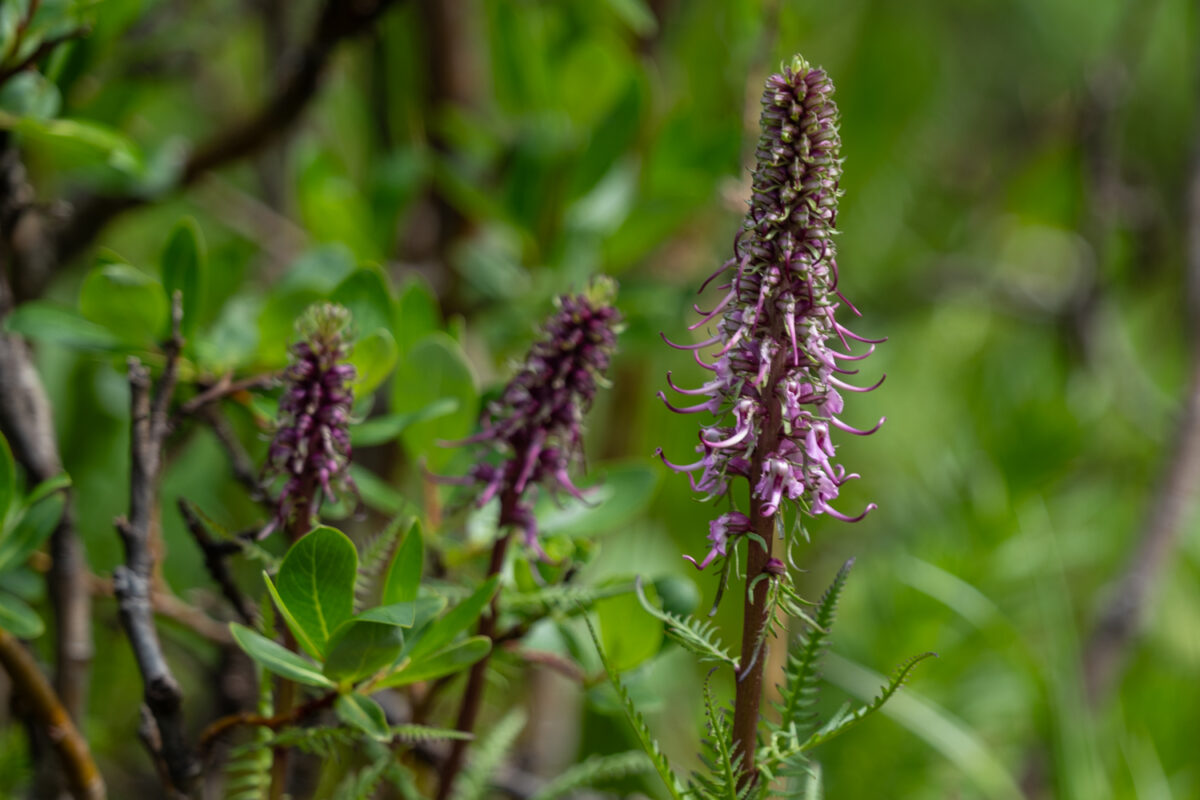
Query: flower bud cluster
<point>778,370</point>
<point>311,447</point>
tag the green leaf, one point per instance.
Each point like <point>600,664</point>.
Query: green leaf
<point>359,711</point>
<point>18,618</point>
<point>444,662</point>
<point>34,527</point>
<point>365,292</point>
<point>436,368</point>
<point>462,616</point>
<point>30,94</point>
<point>359,649</point>
<point>378,493</point>
<point>698,636</point>
<point>46,322</point>
<point>403,578</point>
<point>276,658</point>
<point>302,637</point>
<point>125,300</point>
<point>8,480</point>
<point>373,358</point>
<point>638,722</point>
<point>48,487</point>
<point>183,270</point>
<point>417,313</point>
<point>72,143</point>
<point>629,637</point>
<point>316,584</point>
<point>380,430</point>
<point>594,770</point>
<point>402,615</point>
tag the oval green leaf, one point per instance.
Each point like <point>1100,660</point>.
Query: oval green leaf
<point>359,649</point>
<point>126,301</point>
<point>436,368</point>
<point>316,583</point>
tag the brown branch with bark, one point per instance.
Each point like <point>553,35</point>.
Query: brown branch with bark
<point>26,421</point>
<point>133,582</point>
<point>33,688</point>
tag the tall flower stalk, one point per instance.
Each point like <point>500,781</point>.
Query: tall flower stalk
<point>530,437</point>
<point>781,361</point>
<point>310,451</point>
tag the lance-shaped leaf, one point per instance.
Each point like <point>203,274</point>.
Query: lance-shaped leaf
<point>276,658</point>
<point>444,662</point>
<point>462,616</point>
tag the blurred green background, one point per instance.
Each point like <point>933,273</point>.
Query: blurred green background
<point>1015,221</point>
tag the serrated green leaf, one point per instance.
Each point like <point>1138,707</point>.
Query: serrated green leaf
<point>365,714</point>
<point>359,649</point>
<point>403,578</point>
<point>316,584</point>
<point>18,618</point>
<point>443,631</point>
<point>276,658</point>
<point>444,662</point>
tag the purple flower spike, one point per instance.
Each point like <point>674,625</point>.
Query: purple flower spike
<point>778,347</point>
<point>311,448</point>
<point>535,425</point>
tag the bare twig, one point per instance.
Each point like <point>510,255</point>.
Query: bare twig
<point>175,608</point>
<point>134,580</point>
<point>226,387</point>
<point>215,553</point>
<point>295,714</point>
<point>85,780</point>
<point>240,463</point>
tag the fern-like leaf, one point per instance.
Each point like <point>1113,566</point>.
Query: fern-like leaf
<point>718,755</point>
<point>423,733</point>
<point>798,695</point>
<point>842,722</point>
<point>248,770</point>
<point>487,756</point>
<point>696,636</point>
<point>638,722</point>
<point>375,557</point>
<point>563,597</point>
<point>596,769</point>
<point>361,785</point>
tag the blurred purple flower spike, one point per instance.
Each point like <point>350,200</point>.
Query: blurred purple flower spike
<point>536,423</point>
<point>311,447</point>
<point>779,346</point>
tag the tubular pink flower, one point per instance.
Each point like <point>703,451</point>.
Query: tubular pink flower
<point>778,347</point>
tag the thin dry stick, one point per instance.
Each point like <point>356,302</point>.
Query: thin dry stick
<point>85,780</point>
<point>215,553</point>
<point>134,580</point>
